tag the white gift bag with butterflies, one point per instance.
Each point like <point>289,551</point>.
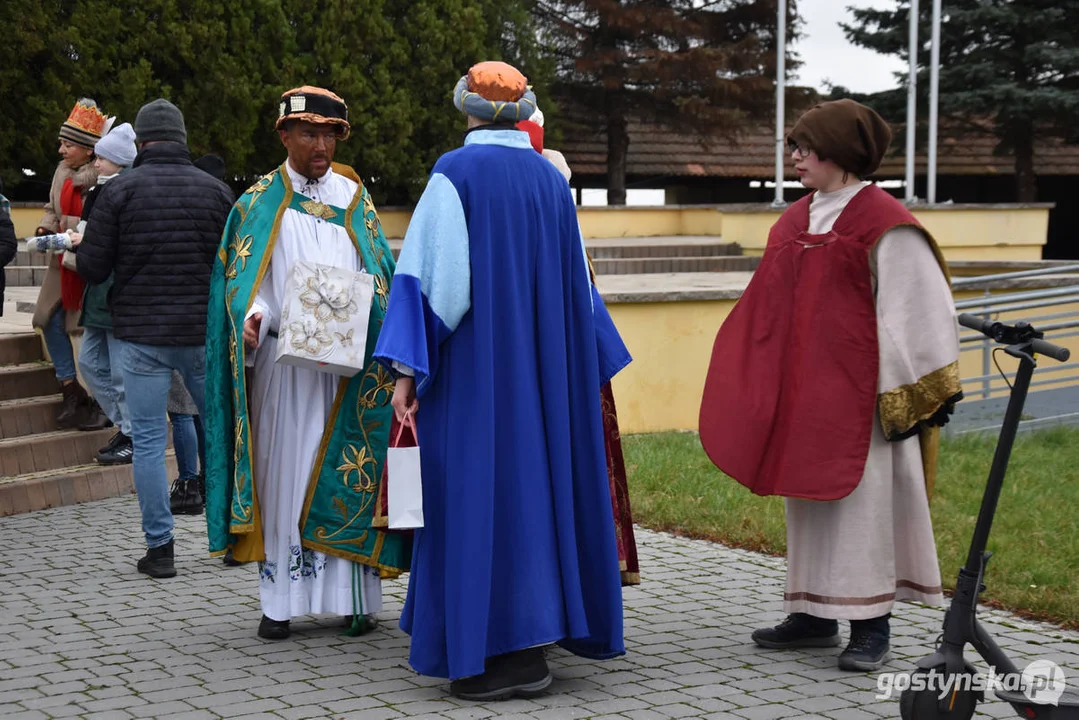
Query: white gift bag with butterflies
<point>324,318</point>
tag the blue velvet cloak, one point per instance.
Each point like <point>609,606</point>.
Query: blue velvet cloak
<point>493,309</point>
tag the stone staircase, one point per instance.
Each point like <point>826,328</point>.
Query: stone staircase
<point>645,258</point>
<point>27,269</point>
<point>42,466</point>
<point>657,255</point>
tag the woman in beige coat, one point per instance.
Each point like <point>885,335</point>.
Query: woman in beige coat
<point>57,311</point>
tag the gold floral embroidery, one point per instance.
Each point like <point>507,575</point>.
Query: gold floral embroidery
<point>241,250</point>
<point>382,292</point>
<point>261,185</point>
<point>356,460</point>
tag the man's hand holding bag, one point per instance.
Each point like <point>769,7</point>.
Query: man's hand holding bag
<point>404,487</point>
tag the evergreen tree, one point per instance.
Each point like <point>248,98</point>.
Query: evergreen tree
<point>707,67</point>
<point>226,64</point>
<point>1013,64</point>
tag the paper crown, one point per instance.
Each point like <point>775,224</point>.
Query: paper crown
<point>85,125</point>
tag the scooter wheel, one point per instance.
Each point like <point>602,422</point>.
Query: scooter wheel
<point>924,705</point>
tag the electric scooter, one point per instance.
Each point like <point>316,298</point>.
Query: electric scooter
<point>943,687</point>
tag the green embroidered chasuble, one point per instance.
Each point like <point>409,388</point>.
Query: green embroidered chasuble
<point>344,482</point>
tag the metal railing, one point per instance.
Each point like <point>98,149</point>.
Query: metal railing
<point>1057,325</point>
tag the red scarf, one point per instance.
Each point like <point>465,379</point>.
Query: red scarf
<point>71,285</point>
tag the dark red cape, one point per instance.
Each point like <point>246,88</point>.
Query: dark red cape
<point>791,391</point>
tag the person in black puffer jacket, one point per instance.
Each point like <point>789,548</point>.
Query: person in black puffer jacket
<point>157,228</point>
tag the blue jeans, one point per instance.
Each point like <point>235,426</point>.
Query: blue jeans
<point>99,360</point>
<point>185,442</point>
<point>58,344</point>
<point>202,443</point>
<point>147,378</point>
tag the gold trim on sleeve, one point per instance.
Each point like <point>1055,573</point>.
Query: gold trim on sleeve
<point>905,406</point>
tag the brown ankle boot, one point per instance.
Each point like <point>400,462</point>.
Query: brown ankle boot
<point>70,414</point>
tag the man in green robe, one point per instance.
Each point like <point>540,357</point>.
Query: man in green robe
<point>295,455</point>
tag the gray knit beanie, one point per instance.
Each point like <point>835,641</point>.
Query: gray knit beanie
<point>160,120</point>
<point>118,146</point>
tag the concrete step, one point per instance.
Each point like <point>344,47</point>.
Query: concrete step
<point>28,416</point>
<point>643,266</point>
<point>27,380</point>
<point>26,276</point>
<point>69,485</point>
<point>662,250</point>
<point>21,348</point>
<point>26,258</point>
<point>52,450</point>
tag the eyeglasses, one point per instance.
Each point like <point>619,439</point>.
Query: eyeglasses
<point>311,138</point>
<point>795,149</point>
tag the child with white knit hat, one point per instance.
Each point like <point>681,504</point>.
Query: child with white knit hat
<point>98,358</point>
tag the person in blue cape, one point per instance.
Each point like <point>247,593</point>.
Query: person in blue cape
<point>500,344</point>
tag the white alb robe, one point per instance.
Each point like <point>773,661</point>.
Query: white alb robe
<point>290,409</point>
<point>851,559</point>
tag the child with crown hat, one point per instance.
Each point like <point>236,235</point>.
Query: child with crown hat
<point>60,298</point>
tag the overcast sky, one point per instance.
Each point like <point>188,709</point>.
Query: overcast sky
<point>827,56</point>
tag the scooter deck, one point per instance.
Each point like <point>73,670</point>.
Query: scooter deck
<point>1067,707</point>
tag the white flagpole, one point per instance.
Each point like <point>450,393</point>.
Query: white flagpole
<point>912,99</point>
<point>934,97</point>
<point>781,83</point>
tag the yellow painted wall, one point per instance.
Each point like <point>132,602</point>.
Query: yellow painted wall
<point>26,220</point>
<point>671,344</point>
<point>963,233</point>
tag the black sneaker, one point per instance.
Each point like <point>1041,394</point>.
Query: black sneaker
<point>113,442</point>
<point>866,651</point>
<point>273,629</point>
<point>120,454</point>
<point>799,630</point>
<point>158,562</point>
<point>184,498</point>
<point>522,673</point>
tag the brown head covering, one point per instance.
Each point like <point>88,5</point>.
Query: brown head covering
<point>848,133</point>
<point>314,105</point>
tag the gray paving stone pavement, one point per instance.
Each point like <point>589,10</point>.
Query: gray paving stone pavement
<point>86,636</point>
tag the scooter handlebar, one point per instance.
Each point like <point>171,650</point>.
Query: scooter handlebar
<point>991,329</point>
<point>1048,349</point>
<point>985,327</point>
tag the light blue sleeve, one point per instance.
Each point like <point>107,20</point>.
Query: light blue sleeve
<point>431,289</point>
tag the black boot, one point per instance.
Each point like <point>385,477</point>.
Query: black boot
<point>522,673</point>
<point>273,629</point>
<point>70,414</point>
<point>869,645</point>
<point>185,498</point>
<point>94,418</point>
<point>799,630</point>
<point>158,562</point>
